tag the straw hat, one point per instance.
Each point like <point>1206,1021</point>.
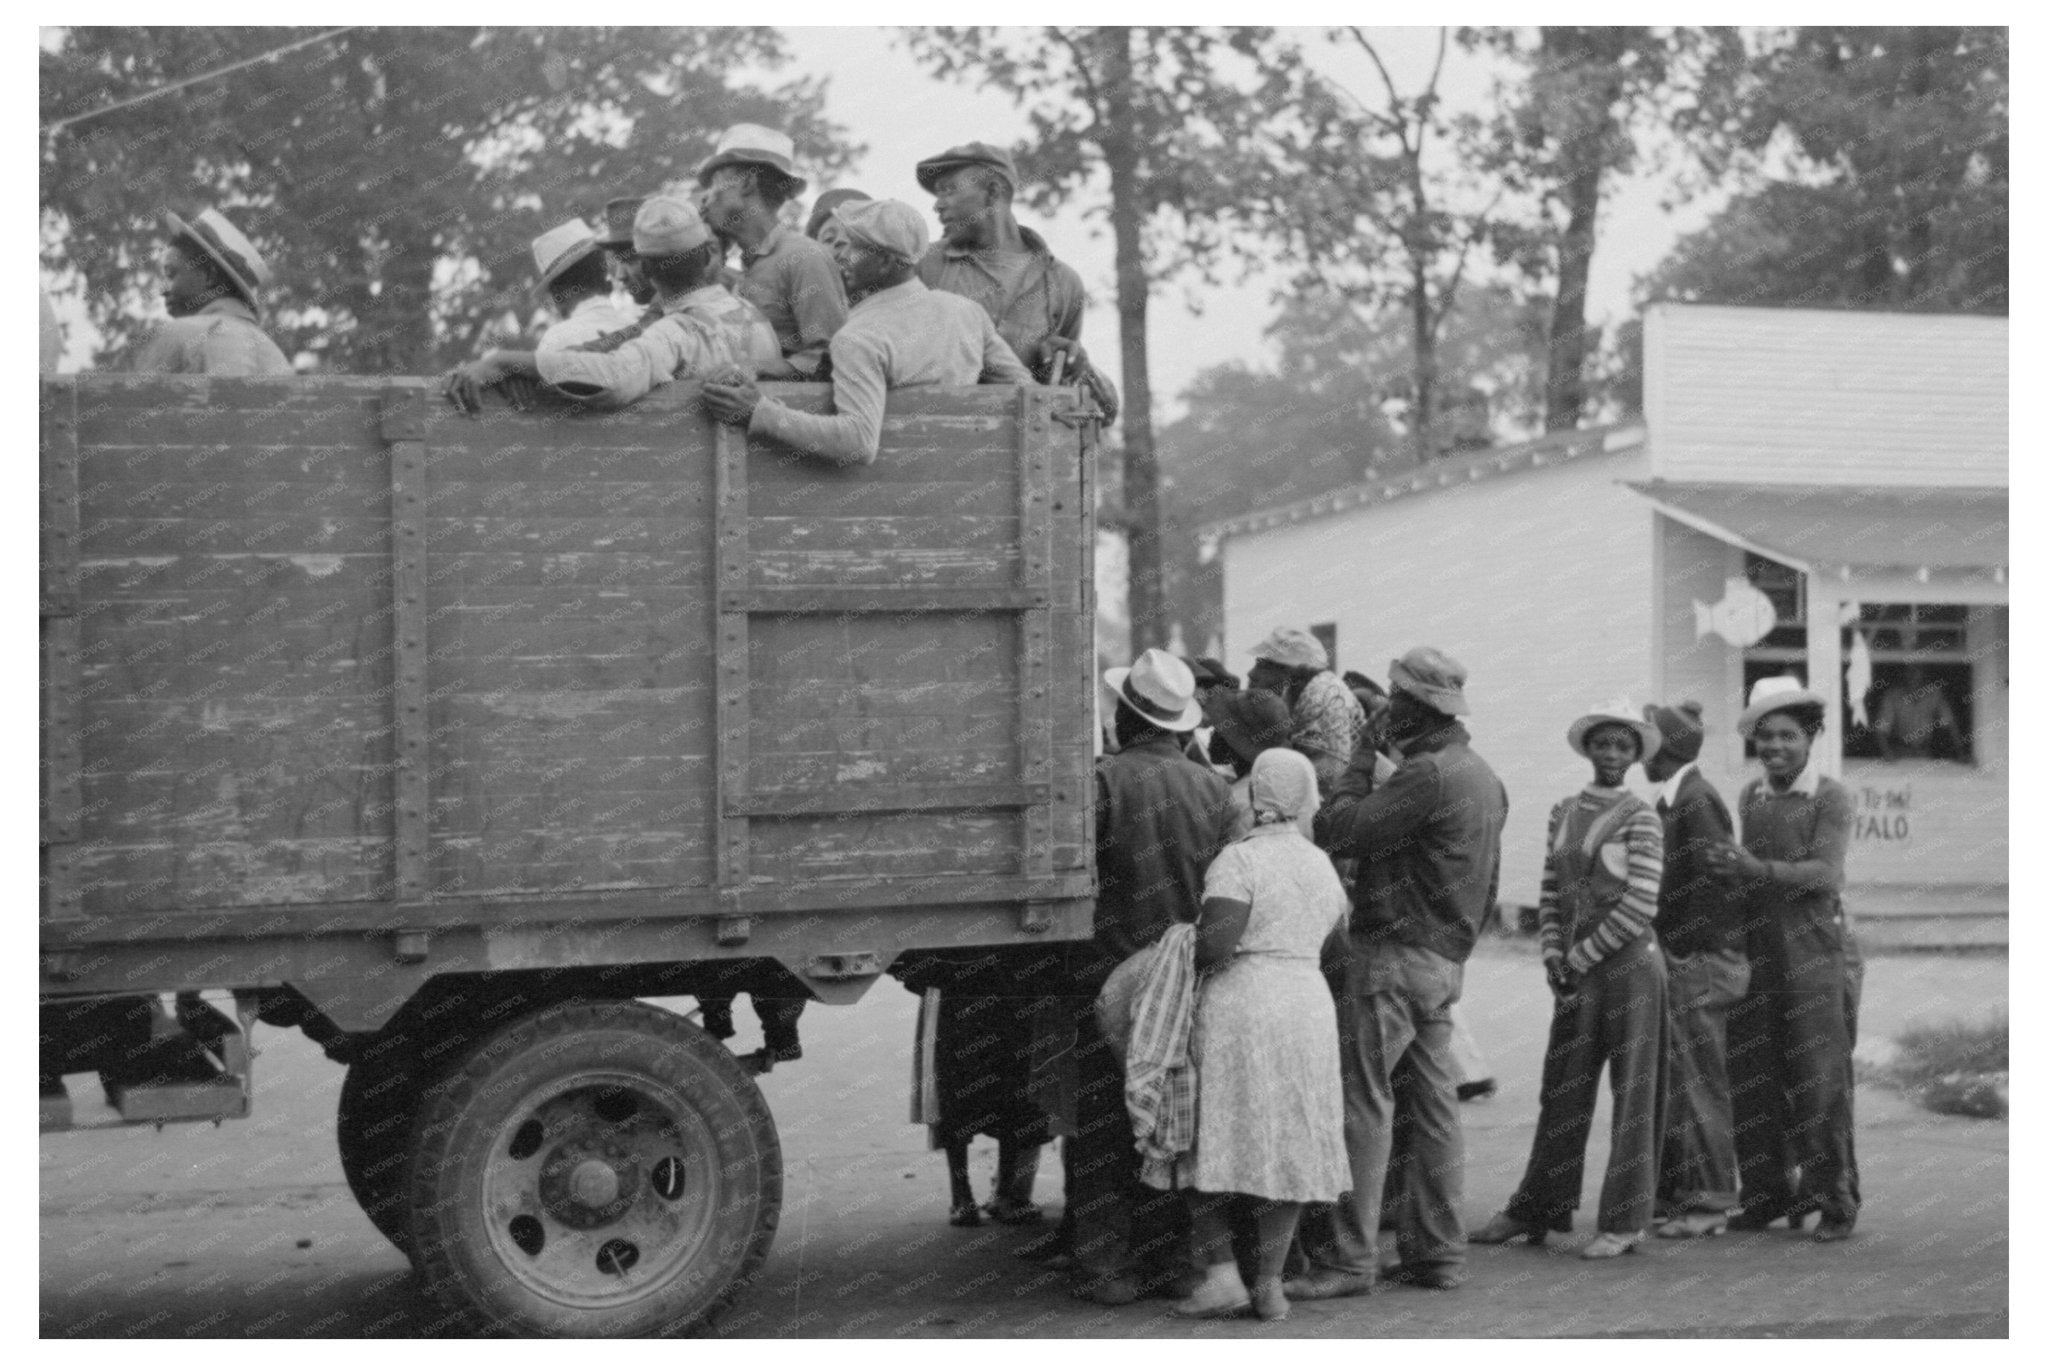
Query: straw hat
<point>750,144</point>
<point>1774,694</point>
<point>225,245</point>
<point>1159,688</point>
<point>555,250</point>
<point>1620,711</point>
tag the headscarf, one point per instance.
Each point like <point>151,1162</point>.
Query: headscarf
<point>1283,789</point>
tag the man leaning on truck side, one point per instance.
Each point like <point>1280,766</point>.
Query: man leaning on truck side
<point>899,335</point>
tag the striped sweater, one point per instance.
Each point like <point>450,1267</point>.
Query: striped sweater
<point>1642,838</point>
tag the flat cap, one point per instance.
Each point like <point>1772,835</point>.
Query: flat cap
<point>986,154</point>
<point>618,221</point>
<point>666,226</point>
<point>886,225</point>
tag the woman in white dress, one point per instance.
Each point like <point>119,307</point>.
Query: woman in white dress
<point>1269,1126</point>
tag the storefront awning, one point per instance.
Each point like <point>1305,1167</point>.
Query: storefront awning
<point>1907,541</point>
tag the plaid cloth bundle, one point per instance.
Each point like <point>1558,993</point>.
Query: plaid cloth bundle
<point>1159,1078</point>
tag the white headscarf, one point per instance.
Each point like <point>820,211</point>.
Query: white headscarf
<point>1283,789</point>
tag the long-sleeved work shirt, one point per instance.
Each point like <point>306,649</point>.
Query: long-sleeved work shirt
<point>1802,836</point>
<point>1696,910</point>
<point>698,331</point>
<point>1427,841</point>
<point>903,337</point>
<point>1028,294</point>
<point>587,321</point>
<point>223,338</point>
<point>796,285</point>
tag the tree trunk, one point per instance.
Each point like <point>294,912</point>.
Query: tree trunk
<point>1422,415</point>
<point>1564,389</point>
<point>1141,462</point>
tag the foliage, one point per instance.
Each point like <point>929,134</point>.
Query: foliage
<point>393,177</point>
<point>1900,144</point>
<point>1957,1067</point>
<point>1178,121</point>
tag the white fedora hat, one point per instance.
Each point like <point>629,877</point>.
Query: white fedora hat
<point>750,144</point>
<point>561,247</point>
<point>1158,687</point>
<point>1774,694</point>
<point>1619,711</point>
<point>224,243</point>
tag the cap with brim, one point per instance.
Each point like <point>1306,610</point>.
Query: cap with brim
<point>827,202</point>
<point>934,168</point>
<point>618,222</point>
<point>1774,694</point>
<point>666,226</point>
<point>1292,647</point>
<point>1683,727</point>
<point>1432,677</point>
<point>887,225</point>
<point>1159,688</point>
<point>1618,712</point>
<point>226,247</point>
<point>750,144</point>
<point>559,248</point>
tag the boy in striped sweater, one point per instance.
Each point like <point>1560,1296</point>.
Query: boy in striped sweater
<point>1600,886</point>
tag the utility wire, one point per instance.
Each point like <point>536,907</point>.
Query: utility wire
<point>270,56</point>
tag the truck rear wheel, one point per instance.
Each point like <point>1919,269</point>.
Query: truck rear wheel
<point>373,1131</point>
<point>595,1169</point>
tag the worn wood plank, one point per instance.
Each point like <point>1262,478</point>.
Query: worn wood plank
<point>514,534</point>
<point>609,808</point>
<point>993,566</point>
<point>850,730</point>
<point>511,631</point>
<point>881,767</point>
<point>870,535</point>
<point>644,723</point>
<point>304,581</point>
<point>568,495</point>
<point>668,668</point>
<point>137,878</point>
<point>198,411</point>
<point>283,533</point>
<point>344,465</point>
<point>456,573</point>
<point>897,844</point>
<point>255,495</point>
<point>927,497</point>
<point>486,869</point>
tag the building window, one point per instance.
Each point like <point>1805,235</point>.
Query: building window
<point>1920,698</point>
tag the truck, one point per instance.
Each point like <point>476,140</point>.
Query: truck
<point>453,741</point>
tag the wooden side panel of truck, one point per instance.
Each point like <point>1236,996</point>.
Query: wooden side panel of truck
<point>336,678</point>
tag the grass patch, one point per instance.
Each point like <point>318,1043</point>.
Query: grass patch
<point>1957,1067</point>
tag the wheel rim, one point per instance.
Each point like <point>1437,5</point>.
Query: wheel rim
<point>601,1188</point>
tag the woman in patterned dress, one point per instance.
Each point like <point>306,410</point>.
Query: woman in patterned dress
<point>1269,1124</point>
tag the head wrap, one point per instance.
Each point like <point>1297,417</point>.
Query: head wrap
<point>1283,788</point>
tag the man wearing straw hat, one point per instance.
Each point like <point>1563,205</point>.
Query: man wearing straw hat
<point>211,275</point>
<point>746,180</point>
<point>574,274</point>
<point>899,335</point>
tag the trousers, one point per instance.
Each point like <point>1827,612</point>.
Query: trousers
<point>1789,1048</point>
<point>1697,1169</point>
<point>1615,1023</point>
<point>1394,1037</point>
<point>1123,1228</point>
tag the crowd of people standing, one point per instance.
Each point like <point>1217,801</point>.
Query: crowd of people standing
<point>1252,1065</point>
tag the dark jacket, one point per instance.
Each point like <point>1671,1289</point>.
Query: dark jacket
<point>1160,820</point>
<point>1427,843</point>
<point>1696,911</point>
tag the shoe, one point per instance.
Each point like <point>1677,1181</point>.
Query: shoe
<point>1834,1229</point>
<point>1694,1223</point>
<point>1758,1219</point>
<point>1269,1301</point>
<point>1013,1215</point>
<point>1053,1246</point>
<point>965,1216</point>
<point>1116,1291</point>
<point>784,1049</point>
<point>1609,1245</point>
<point>1217,1297</point>
<point>1504,1228</point>
<point>1328,1284</point>
<point>1424,1275</point>
<point>1477,1090</point>
<point>1175,1287</point>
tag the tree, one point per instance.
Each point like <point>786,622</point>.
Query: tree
<point>1898,185</point>
<point>1569,130</point>
<point>393,177</point>
<point>1368,213</point>
<point>1173,119</point>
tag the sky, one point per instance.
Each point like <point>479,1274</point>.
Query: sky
<point>903,114</point>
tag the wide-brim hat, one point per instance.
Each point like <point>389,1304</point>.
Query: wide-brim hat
<point>1775,694</point>
<point>750,144</point>
<point>1250,722</point>
<point>559,248</point>
<point>933,168</point>
<point>1159,688</point>
<point>1432,677</point>
<point>226,247</point>
<point>1622,712</point>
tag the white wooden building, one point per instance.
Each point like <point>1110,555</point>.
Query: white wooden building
<point>1848,467</point>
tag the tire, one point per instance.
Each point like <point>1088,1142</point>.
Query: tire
<point>597,1169</point>
<point>373,1130</point>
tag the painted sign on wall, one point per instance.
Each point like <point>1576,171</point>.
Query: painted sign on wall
<point>1882,812</point>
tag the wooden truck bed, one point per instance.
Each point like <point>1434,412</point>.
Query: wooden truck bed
<point>336,679</point>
